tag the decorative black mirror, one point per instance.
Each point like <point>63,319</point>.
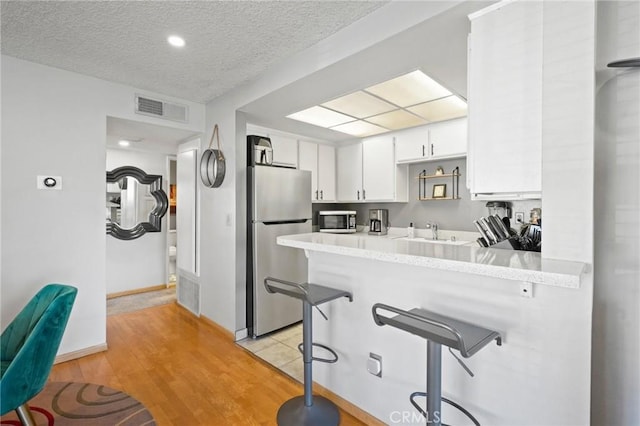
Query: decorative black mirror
<point>136,203</point>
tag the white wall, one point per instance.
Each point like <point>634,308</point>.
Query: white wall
<point>54,122</point>
<point>616,310</point>
<point>139,263</point>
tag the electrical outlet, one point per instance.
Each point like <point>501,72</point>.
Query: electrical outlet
<point>526,290</point>
<point>519,217</point>
<point>374,364</point>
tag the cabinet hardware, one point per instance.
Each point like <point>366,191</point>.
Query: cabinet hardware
<point>358,191</point>
<point>316,194</point>
<point>423,150</point>
<point>431,149</point>
<point>363,195</point>
<point>321,195</point>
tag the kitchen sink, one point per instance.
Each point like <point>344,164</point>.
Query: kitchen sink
<point>429,241</point>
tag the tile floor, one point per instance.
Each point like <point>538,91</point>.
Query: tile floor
<point>280,349</point>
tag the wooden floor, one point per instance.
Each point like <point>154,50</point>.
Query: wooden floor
<point>185,371</point>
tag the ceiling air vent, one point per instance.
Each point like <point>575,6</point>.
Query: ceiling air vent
<point>161,109</point>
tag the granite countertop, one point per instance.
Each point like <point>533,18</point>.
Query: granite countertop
<point>467,258</point>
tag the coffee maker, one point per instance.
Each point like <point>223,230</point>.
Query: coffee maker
<point>378,221</point>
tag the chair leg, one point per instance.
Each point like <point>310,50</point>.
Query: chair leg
<point>25,416</point>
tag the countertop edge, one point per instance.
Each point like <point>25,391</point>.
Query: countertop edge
<point>550,278</point>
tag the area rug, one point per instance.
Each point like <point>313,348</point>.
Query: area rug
<point>74,404</point>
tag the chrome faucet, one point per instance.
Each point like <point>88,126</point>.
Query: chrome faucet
<point>434,229</point>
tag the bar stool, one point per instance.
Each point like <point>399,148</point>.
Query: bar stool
<point>307,410</point>
<point>438,330</point>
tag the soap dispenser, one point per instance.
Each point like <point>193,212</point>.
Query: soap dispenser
<point>410,231</point>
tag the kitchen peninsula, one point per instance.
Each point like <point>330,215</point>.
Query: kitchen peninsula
<point>542,308</point>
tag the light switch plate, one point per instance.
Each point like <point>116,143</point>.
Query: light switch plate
<point>49,182</point>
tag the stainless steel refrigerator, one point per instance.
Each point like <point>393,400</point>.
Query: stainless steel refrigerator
<point>278,203</point>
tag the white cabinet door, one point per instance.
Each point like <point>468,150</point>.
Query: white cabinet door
<point>412,145</point>
<point>308,160</point>
<point>378,168</point>
<point>448,139</point>
<point>326,173</point>
<point>285,151</point>
<point>505,102</point>
<point>350,172</point>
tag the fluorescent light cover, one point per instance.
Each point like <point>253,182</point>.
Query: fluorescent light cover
<point>409,89</point>
<point>441,109</point>
<point>359,104</point>
<point>124,142</point>
<point>395,120</point>
<point>176,41</point>
<point>359,128</point>
<point>320,116</point>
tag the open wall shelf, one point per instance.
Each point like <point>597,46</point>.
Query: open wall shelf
<point>429,190</point>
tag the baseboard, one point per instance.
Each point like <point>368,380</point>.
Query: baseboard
<point>79,354</point>
<point>241,334</point>
<point>221,329</point>
<point>136,291</point>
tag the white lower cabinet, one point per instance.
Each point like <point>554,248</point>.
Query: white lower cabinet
<point>367,172</point>
<point>320,160</point>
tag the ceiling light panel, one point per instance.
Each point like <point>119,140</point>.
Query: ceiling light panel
<point>360,128</point>
<point>396,120</point>
<point>320,116</point>
<point>409,89</point>
<point>359,104</point>
<point>441,109</point>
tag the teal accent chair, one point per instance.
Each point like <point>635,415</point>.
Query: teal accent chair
<point>28,347</point>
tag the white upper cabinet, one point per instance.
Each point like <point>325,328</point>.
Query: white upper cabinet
<point>285,146</point>
<point>349,159</point>
<point>320,160</point>
<point>505,102</point>
<point>412,145</point>
<point>447,139</point>
<point>285,151</point>
<point>382,179</point>
<point>326,172</point>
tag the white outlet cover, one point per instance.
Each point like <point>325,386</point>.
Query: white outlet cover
<point>49,182</point>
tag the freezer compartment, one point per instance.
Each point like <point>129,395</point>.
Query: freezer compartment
<point>274,311</point>
<point>280,194</point>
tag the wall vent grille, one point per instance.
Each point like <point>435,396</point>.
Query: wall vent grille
<point>188,292</point>
<point>161,109</point>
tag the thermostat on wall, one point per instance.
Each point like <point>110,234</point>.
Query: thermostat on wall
<point>49,182</point>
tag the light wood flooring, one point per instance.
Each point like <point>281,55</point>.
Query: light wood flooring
<point>185,371</point>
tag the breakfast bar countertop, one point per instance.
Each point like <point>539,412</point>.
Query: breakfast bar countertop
<point>521,266</point>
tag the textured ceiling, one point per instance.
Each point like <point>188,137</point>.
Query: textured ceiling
<point>228,42</point>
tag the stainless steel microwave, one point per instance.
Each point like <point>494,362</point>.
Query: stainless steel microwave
<point>337,221</point>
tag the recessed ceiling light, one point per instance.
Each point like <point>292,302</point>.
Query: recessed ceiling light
<point>320,116</point>
<point>124,142</point>
<point>176,41</point>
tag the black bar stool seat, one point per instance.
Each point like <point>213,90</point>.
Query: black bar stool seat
<point>438,330</point>
<point>308,410</point>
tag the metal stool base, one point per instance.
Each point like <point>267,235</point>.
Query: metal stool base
<point>322,413</point>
